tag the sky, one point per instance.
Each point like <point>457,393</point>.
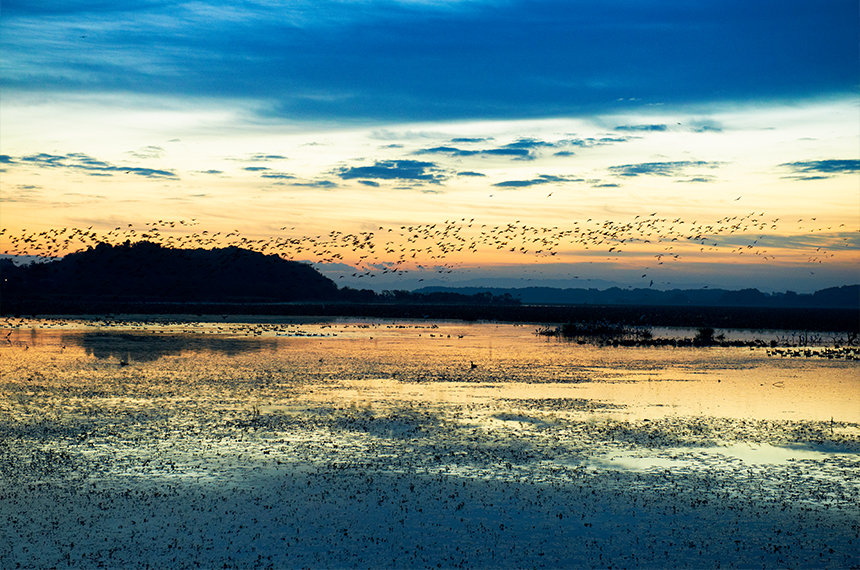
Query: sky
<point>404,143</point>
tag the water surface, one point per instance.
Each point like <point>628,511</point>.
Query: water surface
<point>420,440</point>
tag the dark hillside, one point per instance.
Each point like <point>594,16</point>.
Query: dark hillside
<point>845,297</point>
<point>146,271</point>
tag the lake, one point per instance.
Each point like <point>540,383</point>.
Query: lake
<point>266,442</point>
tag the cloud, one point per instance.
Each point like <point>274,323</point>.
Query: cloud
<point>261,157</point>
<point>471,139</point>
<point>256,168</point>
<point>517,153</point>
<point>675,168</point>
<point>278,176</point>
<point>824,240</point>
<point>147,152</point>
<point>820,169</point>
<point>470,173</point>
<point>370,183</point>
<point>6,159</point>
<point>541,179</point>
<point>331,266</point>
<point>529,143</point>
<point>21,193</point>
<point>706,126</point>
<point>90,165</point>
<point>697,179</point>
<point>324,184</point>
<point>564,153</point>
<point>479,60</point>
<point>644,128</point>
<point>592,142</point>
<point>810,177</point>
<point>521,149</point>
<point>412,170</point>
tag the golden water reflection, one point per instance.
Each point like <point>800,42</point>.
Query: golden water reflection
<point>381,364</point>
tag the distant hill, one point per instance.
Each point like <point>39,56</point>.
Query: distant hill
<point>847,296</point>
<point>141,273</point>
<point>146,271</point>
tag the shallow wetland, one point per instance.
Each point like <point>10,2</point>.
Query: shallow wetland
<point>240,442</point>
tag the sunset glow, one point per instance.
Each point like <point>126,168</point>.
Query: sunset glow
<point>434,158</point>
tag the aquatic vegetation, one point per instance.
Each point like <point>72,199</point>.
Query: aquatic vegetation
<point>407,443</point>
<point>793,344</point>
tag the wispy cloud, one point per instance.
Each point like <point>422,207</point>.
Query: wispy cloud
<point>537,58</point>
<point>697,179</point>
<point>89,165</point>
<point>471,139</point>
<point>513,152</point>
<point>524,148</point>
<point>592,141</point>
<point>21,193</point>
<point>277,176</point>
<point>820,169</point>
<point>673,168</point>
<point>706,126</point>
<point>411,170</point>
<point>541,179</point>
<point>643,128</point>
<point>263,157</point>
<point>322,184</point>
<point>530,143</point>
<point>148,152</point>
<point>258,157</point>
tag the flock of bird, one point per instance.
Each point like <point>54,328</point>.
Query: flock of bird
<point>444,246</point>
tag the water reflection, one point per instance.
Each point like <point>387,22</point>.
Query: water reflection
<point>142,347</point>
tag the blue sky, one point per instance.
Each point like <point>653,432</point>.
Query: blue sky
<point>359,114</point>
<point>395,61</point>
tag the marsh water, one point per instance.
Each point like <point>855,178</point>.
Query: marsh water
<point>290,443</point>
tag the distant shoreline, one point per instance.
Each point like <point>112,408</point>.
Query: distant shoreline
<point>779,318</point>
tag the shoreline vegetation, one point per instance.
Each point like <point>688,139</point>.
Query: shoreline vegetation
<point>804,344</point>
<point>754,318</point>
